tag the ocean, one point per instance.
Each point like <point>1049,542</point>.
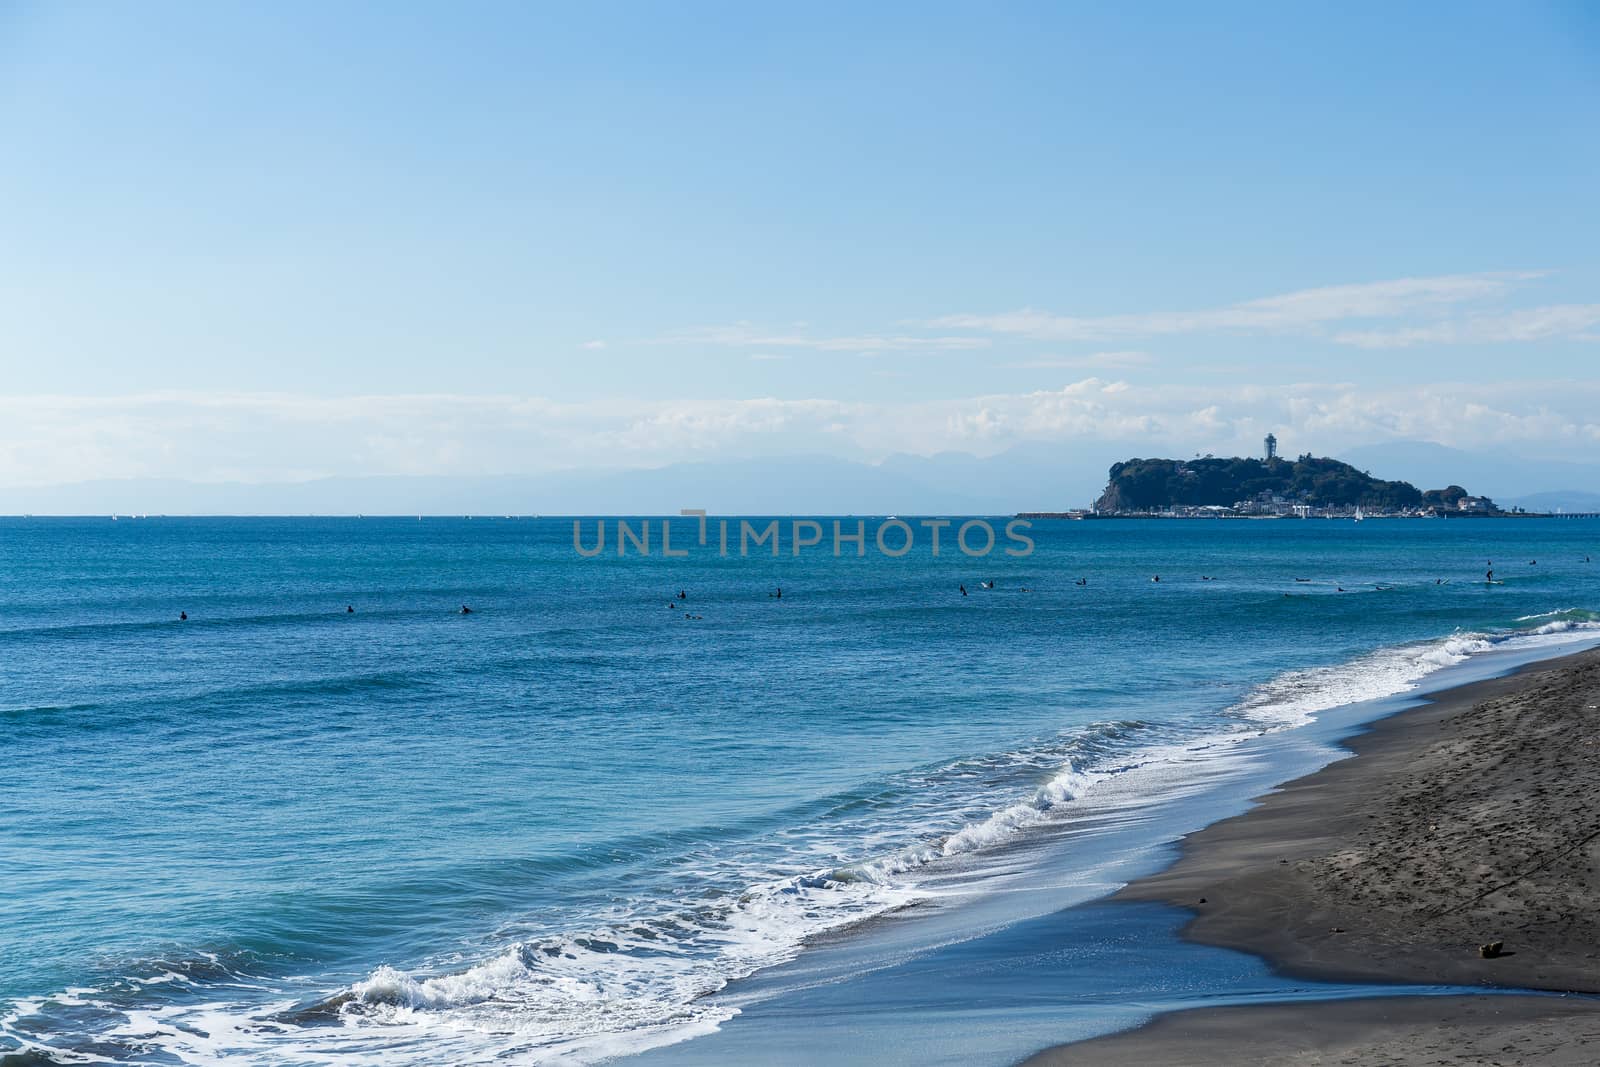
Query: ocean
<point>593,818</point>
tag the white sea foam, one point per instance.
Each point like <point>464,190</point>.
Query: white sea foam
<point>1066,785</point>
<point>1565,620</point>
<point>1568,614</point>
<point>1295,697</point>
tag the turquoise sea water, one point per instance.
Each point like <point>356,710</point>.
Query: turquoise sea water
<point>281,832</point>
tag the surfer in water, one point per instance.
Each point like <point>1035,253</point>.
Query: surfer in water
<point>349,609</point>
<point>963,589</point>
<point>183,616</point>
<point>465,610</point>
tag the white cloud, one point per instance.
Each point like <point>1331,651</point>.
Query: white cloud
<point>1298,311</point>
<point>593,346</point>
<point>1573,321</point>
<point>1425,310</point>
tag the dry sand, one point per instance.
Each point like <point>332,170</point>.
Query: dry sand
<point>1472,819</point>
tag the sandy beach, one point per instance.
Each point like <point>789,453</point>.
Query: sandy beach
<point>1460,846</point>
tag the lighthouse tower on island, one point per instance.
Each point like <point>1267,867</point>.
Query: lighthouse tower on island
<point>1272,447</point>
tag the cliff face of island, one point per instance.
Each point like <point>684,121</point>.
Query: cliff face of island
<point>1150,484</point>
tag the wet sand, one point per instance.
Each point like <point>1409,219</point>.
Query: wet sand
<point>1470,820</point>
<point>1387,1030</point>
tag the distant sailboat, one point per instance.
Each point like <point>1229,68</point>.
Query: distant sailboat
<point>1359,516</point>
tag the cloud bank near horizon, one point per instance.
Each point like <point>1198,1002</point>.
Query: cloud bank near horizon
<point>267,437</point>
<point>1107,396</point>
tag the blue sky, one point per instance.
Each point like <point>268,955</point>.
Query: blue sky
<point>281,241</point>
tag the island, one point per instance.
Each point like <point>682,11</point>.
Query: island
<point>1273,487</point>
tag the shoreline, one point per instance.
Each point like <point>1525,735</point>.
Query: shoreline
<point>1463,821</point>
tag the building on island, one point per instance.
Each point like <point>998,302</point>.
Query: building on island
<point>1272,447</point>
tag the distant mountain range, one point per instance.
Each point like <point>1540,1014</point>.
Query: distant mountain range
<point>1534,484</point>
<point>1028,477</point>
<point>1563,501</point>
<point>948,483</point>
